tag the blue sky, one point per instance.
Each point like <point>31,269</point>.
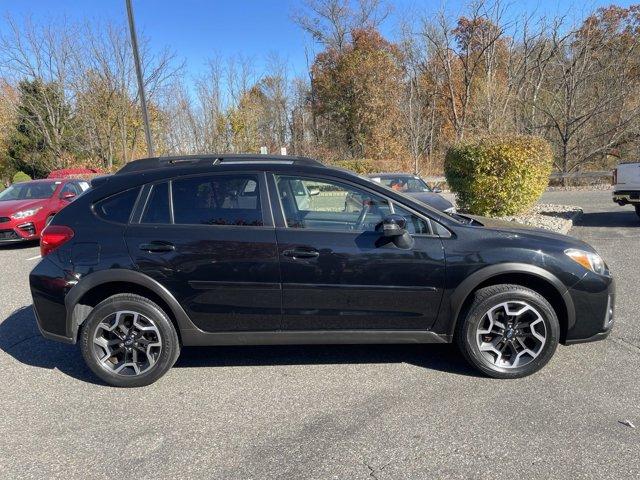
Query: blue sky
<point>197,29</point>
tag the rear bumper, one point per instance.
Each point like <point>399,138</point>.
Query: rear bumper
<point>626,197</point>
<point>594,301</point>
<point>49,287</point>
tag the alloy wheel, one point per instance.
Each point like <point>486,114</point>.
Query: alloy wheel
<point>127,343</point>
<point>511,334</point>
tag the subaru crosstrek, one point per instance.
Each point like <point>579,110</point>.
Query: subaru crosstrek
<point>258,250</point>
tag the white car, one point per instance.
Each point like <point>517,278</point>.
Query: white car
<point>626,180</point>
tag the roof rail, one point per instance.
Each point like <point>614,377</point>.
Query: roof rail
<point>213,159</point>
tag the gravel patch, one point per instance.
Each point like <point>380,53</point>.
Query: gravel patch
<point>581,188</point>
<point>557,218</point>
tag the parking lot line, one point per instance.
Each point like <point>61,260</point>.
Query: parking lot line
<point>33,258</point>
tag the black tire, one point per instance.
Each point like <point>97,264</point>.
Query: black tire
<point>486,299</point>
<point>637,210</point>
<point>166,357</point>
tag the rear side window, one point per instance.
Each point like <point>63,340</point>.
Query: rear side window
<point>117,208</point>
<point>157,209</point>
<point>217,200</point>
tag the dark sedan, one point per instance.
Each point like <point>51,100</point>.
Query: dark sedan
<point>415,187</point>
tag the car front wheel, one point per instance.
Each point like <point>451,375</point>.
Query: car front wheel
<point>128,341</point>
<point>509,331</point>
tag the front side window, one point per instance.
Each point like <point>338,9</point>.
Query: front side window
<point>415,224</point>
<point>221,199</point>
<point>328,205</point>
<point>70,188</point>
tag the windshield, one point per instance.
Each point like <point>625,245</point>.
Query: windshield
<point>28,191</point>
<point>407,184</point>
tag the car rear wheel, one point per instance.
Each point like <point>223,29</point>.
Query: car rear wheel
<point>129,341</point>
<point>509,331</point>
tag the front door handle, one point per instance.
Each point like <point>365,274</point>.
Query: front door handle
<point>301,253</point>
<point>157,247</point>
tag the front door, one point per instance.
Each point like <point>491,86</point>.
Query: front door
<point>336,271</point>
<point>211,242</point>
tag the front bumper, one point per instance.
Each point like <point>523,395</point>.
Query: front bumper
<point>18,231</point>
<point>594,302</point>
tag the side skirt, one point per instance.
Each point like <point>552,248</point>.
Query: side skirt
<point>354,337</point>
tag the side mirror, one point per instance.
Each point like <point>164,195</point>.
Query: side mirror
<point>394,228</point>
<point>68,196</point>
<point>314,191</point>
<point>436,190</point>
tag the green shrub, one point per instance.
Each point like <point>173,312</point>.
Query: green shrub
<point>361,167</point>
<point>21,177</point>
<point>499,176</point>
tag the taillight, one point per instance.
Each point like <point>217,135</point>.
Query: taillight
<point>52,237</point>
<point>614,179</point>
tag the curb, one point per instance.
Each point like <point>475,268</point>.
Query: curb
<point>571,221</point>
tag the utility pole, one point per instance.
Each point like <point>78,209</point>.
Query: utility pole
<point>136,60</point>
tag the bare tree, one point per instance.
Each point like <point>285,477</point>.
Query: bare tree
<point>464,54</point>
<point>588,100</point>
<point>44,53</point>
<point>330,22</point>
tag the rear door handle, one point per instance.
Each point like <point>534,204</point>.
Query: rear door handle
<point>301,253</point>
<point>157,247</point>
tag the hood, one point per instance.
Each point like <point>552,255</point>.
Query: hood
<point>528,231</point>
<point>432,199</point>
<point>9,207</point>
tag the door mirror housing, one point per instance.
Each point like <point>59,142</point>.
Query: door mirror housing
<point>436,190</point>
<point>394,228</point>
<point>68,196</point>
<point>314,191</point>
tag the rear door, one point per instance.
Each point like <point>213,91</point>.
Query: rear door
<point>210,240</point>
<point>336,270</point>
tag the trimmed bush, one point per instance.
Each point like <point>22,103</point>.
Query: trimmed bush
<point>21,177</point>
<point>361,167</point>
<point>499,176</point>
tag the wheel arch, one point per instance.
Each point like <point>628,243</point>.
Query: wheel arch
<point>528,276</point>
<point>98,286</point>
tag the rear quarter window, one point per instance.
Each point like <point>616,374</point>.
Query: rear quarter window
<point>117,208</point>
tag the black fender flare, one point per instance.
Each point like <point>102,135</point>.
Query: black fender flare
<point>470,283</point>
<point>120,275</point>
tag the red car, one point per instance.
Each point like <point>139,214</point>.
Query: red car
<point>27,207</point>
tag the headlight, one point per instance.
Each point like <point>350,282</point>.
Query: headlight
<point>590,261</point>
<point>25,213</point>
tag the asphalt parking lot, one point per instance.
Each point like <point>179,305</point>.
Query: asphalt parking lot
<point>346,412</point>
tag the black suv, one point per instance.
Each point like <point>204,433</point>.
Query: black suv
<point>237,250</point>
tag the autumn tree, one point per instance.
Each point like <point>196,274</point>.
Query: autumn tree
<point>357,94</point>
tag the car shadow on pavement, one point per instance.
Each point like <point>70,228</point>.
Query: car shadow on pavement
<point>20,338</point>
<point>441,357</point>
<point>622,218</point>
